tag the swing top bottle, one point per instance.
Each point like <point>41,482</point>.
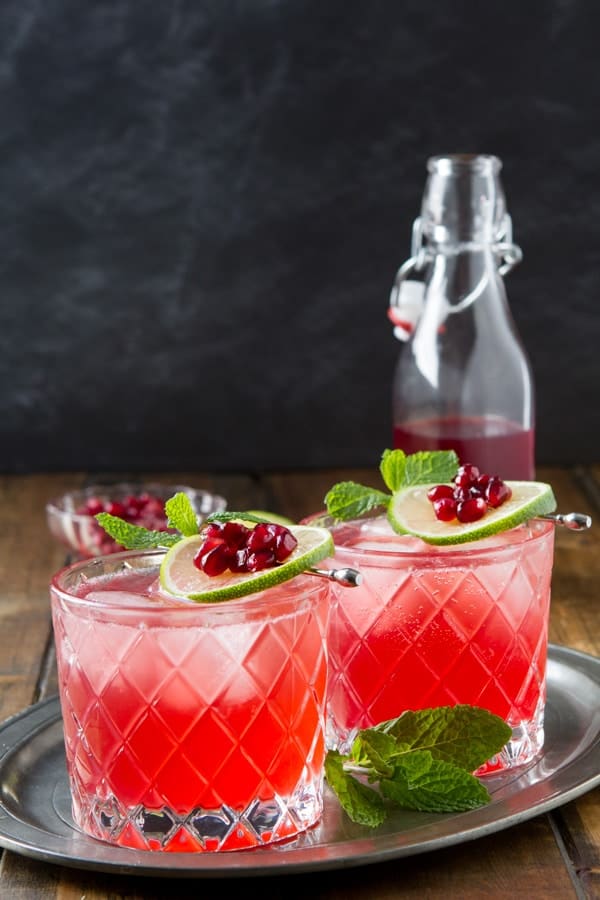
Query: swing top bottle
<point>463,380</point>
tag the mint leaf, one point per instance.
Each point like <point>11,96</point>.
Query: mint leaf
<point>134,537</point>
<point>348,500</point>
<point>433,785</point>
<point>430,467</point>
<point>464,735</point>
<point>423,760</point>
<point>375,750</point>
<point>423,467</point>
<point>392,467</point>
<point>239,516</point>
<point>360,802</point>
<point>181,514</point>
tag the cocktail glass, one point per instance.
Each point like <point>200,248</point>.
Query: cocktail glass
<point>439,626</point>
<point>190,727</point>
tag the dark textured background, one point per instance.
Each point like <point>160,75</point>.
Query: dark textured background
<point>204,204</point>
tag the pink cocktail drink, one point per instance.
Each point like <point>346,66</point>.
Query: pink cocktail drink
<point>190,727</point>
<point>436,626</point>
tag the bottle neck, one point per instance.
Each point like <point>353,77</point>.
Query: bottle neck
<point>459,281</point>
<point>425,247</point>
<point>463,228</point>
<point>463,200</point>
<point>473,249</point>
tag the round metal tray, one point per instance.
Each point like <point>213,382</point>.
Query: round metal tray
<point>35,817</point>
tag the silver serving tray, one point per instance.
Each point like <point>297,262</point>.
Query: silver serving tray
<point>35,818</point>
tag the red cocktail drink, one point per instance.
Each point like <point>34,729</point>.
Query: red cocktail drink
<point>435,626</point>
<point>190,727</point>
<point>497,444</point>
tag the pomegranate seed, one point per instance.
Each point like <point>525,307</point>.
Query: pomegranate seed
<point>209,543</point>
<point>236,534</point>
<point>239,561</point>
<point>471,510</point>
<point>93,506</point>
<point>262,537</point>
<point>440,491</point>
<point>445,509</point>
<point>482,483</point>
<point>462,494</point>
<point>260,559</point>
<point>285,543</point>
<point>466,475</point>
<point>215,561</point>
<point>115,508</point>
<point>497,492</point>
<point>154,507</point>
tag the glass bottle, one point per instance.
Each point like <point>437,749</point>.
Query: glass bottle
<point>462,380</point>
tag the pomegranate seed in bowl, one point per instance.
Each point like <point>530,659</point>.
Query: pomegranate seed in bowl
<point>71,517</point>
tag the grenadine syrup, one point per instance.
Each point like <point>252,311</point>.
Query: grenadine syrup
<point>492,443</point>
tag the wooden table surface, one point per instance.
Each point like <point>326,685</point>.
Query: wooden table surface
<point>556,855</point>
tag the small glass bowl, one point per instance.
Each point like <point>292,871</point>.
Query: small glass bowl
<point>71,517</point>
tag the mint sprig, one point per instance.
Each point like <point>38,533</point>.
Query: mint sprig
<point>421,761</point>
<point>135,537</point>
<point>180,516</point>
<point>349,500</point>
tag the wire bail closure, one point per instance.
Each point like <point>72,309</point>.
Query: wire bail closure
<point>407,295</point>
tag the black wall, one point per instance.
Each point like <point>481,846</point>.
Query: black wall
<point>204,204</point>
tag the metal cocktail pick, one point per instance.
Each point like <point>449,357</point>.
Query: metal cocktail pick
<point>573,520</point>
<point>346,577</point>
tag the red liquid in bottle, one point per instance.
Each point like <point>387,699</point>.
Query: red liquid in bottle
<point>495,445</point>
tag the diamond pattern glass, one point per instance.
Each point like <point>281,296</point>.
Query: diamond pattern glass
<point>191,727</point>
<point>437,626</point>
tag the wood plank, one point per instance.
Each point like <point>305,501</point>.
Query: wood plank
<point>25,879</point>
<point>578,824</point>
<point>575,610</point>
<point>490,867</point>
<point>576,618</point>
<point>28,557</point>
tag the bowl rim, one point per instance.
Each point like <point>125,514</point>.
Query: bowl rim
<point>57,506</point>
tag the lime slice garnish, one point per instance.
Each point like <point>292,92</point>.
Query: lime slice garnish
<point>180,577</point>
<point>410,512</point>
